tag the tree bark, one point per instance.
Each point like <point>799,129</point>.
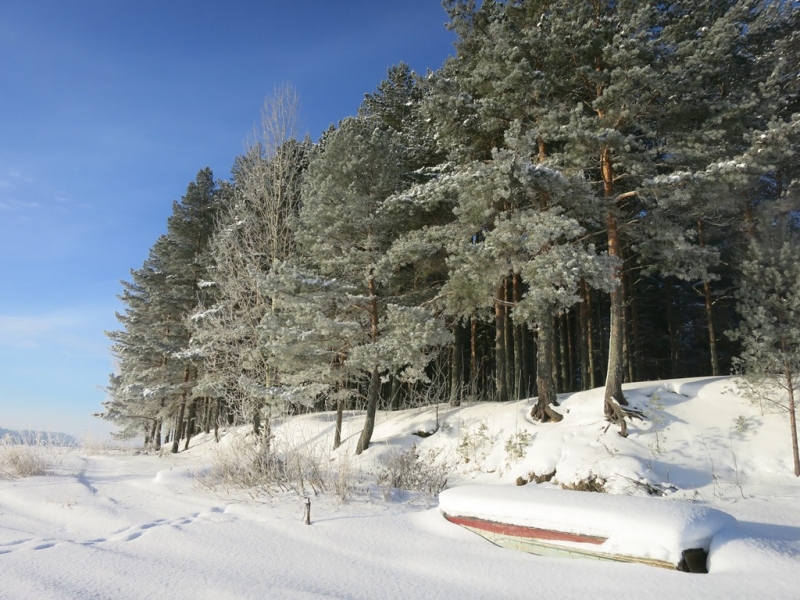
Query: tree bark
<point>614,374</point>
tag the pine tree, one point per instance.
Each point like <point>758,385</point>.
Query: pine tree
<point>157,369</point>
<point>629,94</point>
<point>345,234</point>
<point>510,220</point>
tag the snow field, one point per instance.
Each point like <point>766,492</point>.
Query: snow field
<point>122,526</point>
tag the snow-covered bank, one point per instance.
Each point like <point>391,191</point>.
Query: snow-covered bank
<point>127,526</point>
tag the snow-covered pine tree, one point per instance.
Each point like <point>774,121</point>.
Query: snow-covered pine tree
<point>598,84</point>
<point>136,396</point>
<point>510,218</point>
<point>157,370</point>
<point>710,174</point>
<point>345,234</point>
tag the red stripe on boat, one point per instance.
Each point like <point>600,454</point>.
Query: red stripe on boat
<point>524,532</point>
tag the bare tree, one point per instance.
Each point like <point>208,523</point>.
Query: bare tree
<point>252,236</point>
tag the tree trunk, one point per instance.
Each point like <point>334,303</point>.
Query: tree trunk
<point>176,439</point>
<point>216,419</point>
<point>473,358</point>
<point>500,346</point>
<point>793,421</point>
<point>157,435</point>
<point>519,359</point>
<point>568,327</point>
<point>337,435</point>
<point>590,333</point>
<point>150,441</point>
<point>584,339</point>
<point>372,409</point>
<point>748,218</point>
<point>209,412</point>
<point>562,347</point>
<point>397,393</point>
<point>525,334</point>
<point>177,431</point>
<point>614,399</point>
<point>787,369</point>
<point>457,367</point>
<point>637,340</point>
<point>190,423</point>
<point>614,372</point>
<point>375,381</point>
<point>545,385</point>
<point>673,342</point>
<point>508,340</point>
<point>257,420</point>
<point>626,345</point>
<point>712,338</point>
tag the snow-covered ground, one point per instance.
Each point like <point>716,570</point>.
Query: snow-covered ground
<point>141,526</point>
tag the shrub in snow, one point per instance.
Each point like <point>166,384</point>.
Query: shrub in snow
<point>409,471</point>
<point>249,462</point>
<point>28,458</point>
<point>474,444</point>
<point>517,445</point>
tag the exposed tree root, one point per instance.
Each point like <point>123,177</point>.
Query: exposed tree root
<point>617,413</point>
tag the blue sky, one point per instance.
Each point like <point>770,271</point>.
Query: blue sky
<point>108,109</point>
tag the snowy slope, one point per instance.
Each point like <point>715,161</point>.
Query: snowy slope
<point>126,526</point>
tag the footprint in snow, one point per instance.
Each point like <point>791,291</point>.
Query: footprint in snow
<point>44,546</point>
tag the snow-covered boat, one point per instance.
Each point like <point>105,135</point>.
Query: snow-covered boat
<point>553,522</point>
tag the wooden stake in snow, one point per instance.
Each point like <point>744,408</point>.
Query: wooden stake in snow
<point>307,516</point>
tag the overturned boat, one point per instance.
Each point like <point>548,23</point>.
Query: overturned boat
<point>672,534</point>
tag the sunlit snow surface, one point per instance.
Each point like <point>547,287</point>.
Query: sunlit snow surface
<point>121,526</point>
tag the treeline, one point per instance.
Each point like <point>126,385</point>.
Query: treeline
<point>568,202</point>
